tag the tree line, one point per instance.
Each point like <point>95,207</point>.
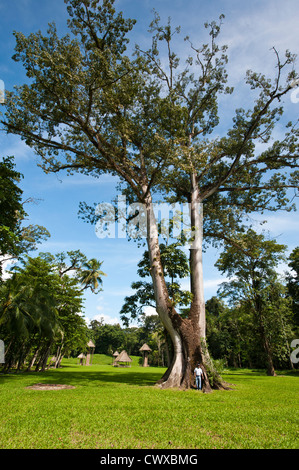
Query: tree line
<point>41,308</point>
<point>254,317</point>
<point>41,297</point>
<point>111,338</point>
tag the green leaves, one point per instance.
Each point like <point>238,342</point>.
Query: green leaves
<point>85,272</point>
<point>254,289</point>
<point>40,308</point>
<point>91,275</point>
<point>98,25</point>
<point>253,250</point>
<point>293,282</point>
<point>176,267</point>
<point>11,208</point>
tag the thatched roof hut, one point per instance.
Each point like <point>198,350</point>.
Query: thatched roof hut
<point>145,349</point>
<point>123,359</point>
<point>81,358</point>
<point>90,352</point>
<point>115,354</point>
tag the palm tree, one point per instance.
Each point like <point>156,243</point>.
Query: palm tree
<point>28,307</point>
<point>91,275</point>
<point>15,305</point>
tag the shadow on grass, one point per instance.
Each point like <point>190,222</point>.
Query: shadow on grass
<point>252,373</point>
<point>87,377</point>
<point>103,376</point>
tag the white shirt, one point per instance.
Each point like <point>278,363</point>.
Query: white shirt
<point>198,371</point>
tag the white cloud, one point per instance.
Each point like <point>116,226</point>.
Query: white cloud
<point>12,145</point>
<point>208,283</point>
<point>213,283</point>
<point>109,320</point>
<point>105,318</point>
<point>119,292</point>
<point>252,34</point>
<point>82,180</point>
<point>148,311</point>
<point>6,265</point>
<point>278,224</point>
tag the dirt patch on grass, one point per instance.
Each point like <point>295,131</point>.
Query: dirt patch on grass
<point>50,387</point>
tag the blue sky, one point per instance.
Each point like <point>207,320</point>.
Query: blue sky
<point>250,30</point>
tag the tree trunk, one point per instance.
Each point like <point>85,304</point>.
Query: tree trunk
<point>197,310</point>
<point>46,356</point>
<point>23,355</point>
<point>270,365</point>
<point>58,355</point>
<point>198,351</point>
<point>44,353</point>
<point>164,307</point>
<point>264,338</point>
<point>188,345</point>
<point>33,359</point>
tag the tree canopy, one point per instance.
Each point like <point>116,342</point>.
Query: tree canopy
<point>254,285</point>
<point>16,238</point>
<point>11,207</point>
<point>41,312</point>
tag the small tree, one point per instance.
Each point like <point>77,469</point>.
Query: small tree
<point>175,267</point>
<point>256,287</point>
<point>11,207</point>
<point>86,272</point>
<point>16,238</point>
<point>293,283</point>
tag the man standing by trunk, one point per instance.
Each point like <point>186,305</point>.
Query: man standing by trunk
<point>197,376</point>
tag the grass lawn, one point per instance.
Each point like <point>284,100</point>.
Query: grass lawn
<point>120,408</point>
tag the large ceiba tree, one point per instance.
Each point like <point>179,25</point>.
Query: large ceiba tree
<point>92,107</point>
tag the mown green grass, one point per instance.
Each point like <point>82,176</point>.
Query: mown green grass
<point>120,408</point>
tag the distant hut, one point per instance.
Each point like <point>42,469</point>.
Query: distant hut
<point>115,356</point>
<point>123,359</point>
<point>145,349</point>
<point>81,358</point>
<point>90,352</point>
